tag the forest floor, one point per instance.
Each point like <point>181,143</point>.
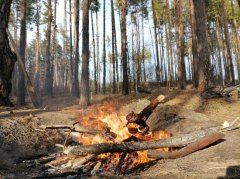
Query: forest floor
<point>182,112</point>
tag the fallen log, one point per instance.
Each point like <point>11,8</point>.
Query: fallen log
<point>176,141</point>
<point>193,147</point>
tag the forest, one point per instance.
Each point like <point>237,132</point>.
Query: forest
<point>171,43</point>
<point>119,88</point>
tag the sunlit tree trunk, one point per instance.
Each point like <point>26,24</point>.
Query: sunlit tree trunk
<point>169,46</point>
<point>237,42</point>
<point>219,57</point>
<point>7,57</point>
<point>156,41</point>
<point>37,63</point>
<point>75,83</point>
<point>21,79</point>
<point>229,53</point>
<point>84,88</point>
<point>125,89</point>
<point>194,45</point>
<point>94,56</point>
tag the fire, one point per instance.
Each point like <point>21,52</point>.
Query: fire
<point>105,118</point>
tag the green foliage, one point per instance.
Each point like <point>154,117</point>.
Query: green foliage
<point>95,5</point>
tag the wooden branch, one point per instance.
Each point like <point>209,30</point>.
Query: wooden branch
<point>195,146</point>
<point>177,141</point>
<point>35,98</point>
<point>71,128</point>
<point>72,167</point>
<point>142,117</point>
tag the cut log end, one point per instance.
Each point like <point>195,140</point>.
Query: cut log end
<point>160,98</point>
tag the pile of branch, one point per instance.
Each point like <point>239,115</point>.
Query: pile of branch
<point>82,159</point>
<point>219,92</point>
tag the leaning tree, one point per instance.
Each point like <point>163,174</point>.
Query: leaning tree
<point>7,56</point>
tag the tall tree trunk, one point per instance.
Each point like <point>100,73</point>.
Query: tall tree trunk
<point>143,49</point>
<point>75,84</point>
<point>203,48</point>
<point>37,63</point>
<point>113,48</point>
<point>229,53</point>
<point>48,81</point>
<point>98,60</point>
<point>84,88</point>
<point>70,42</point>
<point>65,50</point>
<point>169,36</point>
<point>237,42</point>
<point>125,89</point>
<point>7,57</point>
<point>180,45</point>
<point>94,55</point>
<point>194,45</point>
<point>15,71</point>
<point>156,41</point>
<point>104,47</point>
<point>54,48</point>
<point>21,79</point>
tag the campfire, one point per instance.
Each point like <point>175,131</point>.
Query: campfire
<point>117,130</point>
<point>118,145</point>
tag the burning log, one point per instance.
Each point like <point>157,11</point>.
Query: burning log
<point>193,147</point>
<point>141,118</point>
<point>176,141</point>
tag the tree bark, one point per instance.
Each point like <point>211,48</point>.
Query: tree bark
<point>37,63</point>
<point>113,47</point>
<point>229,53</point>
<point>180,45</point>
<point>104,47</point>
<point>156,42</point>
<point>84,88</point>
<point>21,79</point>
<point>194,45</point>
<point>75,83</point>
<point>94,55</point>
<point>204,65</point>
<point>48,81</point>
<point>7,56</point>
<point>70,42</point>
<point>125,88</point>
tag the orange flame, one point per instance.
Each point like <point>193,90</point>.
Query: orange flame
<point>105,116</point>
